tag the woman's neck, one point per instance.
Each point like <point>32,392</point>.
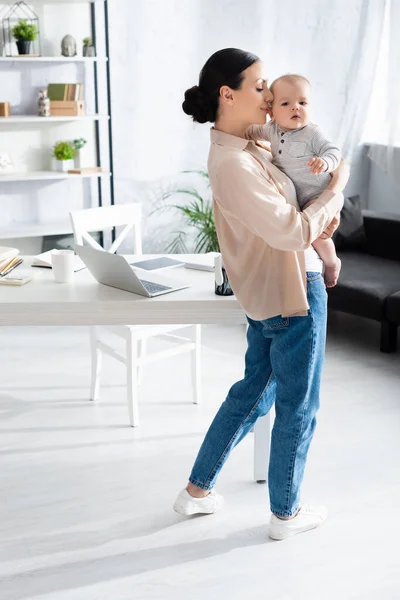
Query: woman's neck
<point>231,126</point>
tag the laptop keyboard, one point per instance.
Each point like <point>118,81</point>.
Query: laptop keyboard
<point>153,288</point>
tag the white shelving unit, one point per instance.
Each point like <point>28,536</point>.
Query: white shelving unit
<point>56,59</point>
<point>47,206</point>
<point>25,119</point>
<point>48,176</point>
<point>23,230</point>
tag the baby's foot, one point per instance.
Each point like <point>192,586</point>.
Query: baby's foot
<point>331,274</point>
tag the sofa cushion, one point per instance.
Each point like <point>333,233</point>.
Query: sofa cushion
<point>383,234</point>
<point>350,234</point>
<point>364,284</point>
<point>393,308</point>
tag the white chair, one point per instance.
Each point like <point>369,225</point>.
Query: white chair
<point>135,336</point>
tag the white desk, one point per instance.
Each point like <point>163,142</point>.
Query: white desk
<point>85,302</point>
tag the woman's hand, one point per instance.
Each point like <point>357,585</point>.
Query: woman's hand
<point>340,177</point>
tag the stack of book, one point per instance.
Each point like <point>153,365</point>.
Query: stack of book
<point>9,259</point>
<point>65,91</point>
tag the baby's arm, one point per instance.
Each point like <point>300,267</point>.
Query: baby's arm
<point>258,132</point>
<point>327,155</point>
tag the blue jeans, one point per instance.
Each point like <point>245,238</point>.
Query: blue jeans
<point>283,364</point>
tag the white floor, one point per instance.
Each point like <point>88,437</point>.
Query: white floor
<point>85,501</point>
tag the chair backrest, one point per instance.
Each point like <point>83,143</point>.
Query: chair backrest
<point>107,217</point>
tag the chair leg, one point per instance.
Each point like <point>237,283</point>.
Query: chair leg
<point>388,337</point>
<point>196,364</point>
<point>142,354</point>
<point>132,381</point>
<point>96,358</point>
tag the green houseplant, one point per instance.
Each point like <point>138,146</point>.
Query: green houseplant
<point>25,33</point>
<point>88,48</point>
<point>198,217</point>
<point>64,153</point>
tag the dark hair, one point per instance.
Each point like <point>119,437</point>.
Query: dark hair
<point>224,67</point>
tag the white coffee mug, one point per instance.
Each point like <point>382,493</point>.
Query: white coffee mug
<point>62,262</point>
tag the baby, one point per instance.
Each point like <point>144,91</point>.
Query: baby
<point>300,150</point>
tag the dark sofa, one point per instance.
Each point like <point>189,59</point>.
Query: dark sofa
<point>368,243</point>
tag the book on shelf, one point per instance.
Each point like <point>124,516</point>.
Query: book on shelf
<point>44,260</point>
<point>61,92</point>
<point>6,255</point>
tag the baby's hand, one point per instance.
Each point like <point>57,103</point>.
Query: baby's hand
<point>317,165</point>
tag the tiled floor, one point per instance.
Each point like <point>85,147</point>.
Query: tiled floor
<point>85,501</point>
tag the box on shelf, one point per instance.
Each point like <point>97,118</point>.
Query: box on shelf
<point>4,109</point>
<point>67,108</point>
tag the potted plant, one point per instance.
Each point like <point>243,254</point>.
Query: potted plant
<point>198,216</point>
<point>25,33</point>
<point>88,48</point>
<point>64,153</point>
<point>78,144</point>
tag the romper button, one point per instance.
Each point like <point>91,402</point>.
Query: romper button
<point>279,151</point>
<point>282,141</point>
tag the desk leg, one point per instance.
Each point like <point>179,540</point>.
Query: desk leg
<point>262,440</point>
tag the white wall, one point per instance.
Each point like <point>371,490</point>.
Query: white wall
<point>383,191</point>
<point>157,50</point>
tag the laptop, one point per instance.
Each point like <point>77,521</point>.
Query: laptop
<point>115,271</point>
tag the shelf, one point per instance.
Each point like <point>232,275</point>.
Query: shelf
<point>23,119</point>
<point>58,59</point>
<point>25,230</point>
<point>68,1</point>
<point>47,176</point>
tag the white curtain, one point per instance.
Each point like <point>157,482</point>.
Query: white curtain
<point>360,74</point>
<point>386,149</point>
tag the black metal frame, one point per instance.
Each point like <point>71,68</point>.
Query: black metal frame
<point>109,111</point>
<point>108,79</point>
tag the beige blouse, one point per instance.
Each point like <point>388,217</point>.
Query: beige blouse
<point>262,233</point>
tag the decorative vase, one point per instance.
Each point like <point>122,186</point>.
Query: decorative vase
<point>68,46</point>
<point>225,288</point>
<point>43,104</point>
<point>64,165</point>
<point>77,160</point>
<point>89,51</point>
<point>222,285</point>
<point>24,47</point>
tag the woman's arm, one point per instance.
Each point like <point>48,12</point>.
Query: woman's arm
<point>246,193</point>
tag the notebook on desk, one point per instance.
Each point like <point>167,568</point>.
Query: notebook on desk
<point>44,260</point>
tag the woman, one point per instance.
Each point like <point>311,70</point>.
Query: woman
<point>265,243</point>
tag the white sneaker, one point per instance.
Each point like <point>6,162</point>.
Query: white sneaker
<point>308,517</point>
<point>185,504</point>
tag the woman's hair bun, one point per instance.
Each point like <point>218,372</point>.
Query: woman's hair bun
<point>197,105</point>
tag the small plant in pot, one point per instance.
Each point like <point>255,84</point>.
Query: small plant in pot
<point>88,48</point>
<point>64,153</point>
<point>25,33</point>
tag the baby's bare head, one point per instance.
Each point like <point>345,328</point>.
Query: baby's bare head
<point>290,106</point>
